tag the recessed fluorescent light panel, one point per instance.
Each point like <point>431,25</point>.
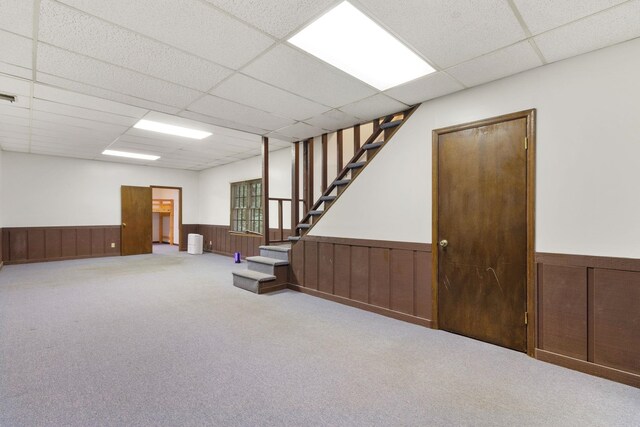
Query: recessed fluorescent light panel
<point>349,40</point>
<point>171,130</point>
<point>130,155</point>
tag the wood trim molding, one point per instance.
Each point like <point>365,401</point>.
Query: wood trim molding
<point>530,116</point>
<point>363,306</point>
<point>589,368</point>
<point>411,246</point>
<point>626,264</point>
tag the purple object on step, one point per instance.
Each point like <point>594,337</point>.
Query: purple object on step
<point>236,257</point>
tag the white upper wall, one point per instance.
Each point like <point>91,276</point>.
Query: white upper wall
<point>55,191</point>
<point>588,158</point>
<point>215,187</point>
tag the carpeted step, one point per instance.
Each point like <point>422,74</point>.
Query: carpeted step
<point>303,226</point>
<point>273,266</point>
<point>327,198</point>
<point>356,165</point>
<point>294,238</point>
<point>254,281</point>
<point>276,252</point>
<point>316,213</point>
<point>341,182</point>
<point>373,145</point>
<point>391,124</point>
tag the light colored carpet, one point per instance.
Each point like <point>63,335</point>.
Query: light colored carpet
<point>165,339</point>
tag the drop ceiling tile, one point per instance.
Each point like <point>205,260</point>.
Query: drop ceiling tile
<point>227,110</point>
<point>106,128</point>
<point>19,148</point>
<point>262,96</point>
<point>12,110</point>
<point>8,121</point>
<point>282,137</point>
<point>604,29</point>
<point>374,107</point>
<point>97,92</point>
<point>75,31</point>
<point>300,131</point>
<point>82,113</point>
<point>232,125</point>
<point>76,99</point>
<point>277,18</point>
<point>333,120</point>
<point>505,62</point>
<point>450,32</point>
<point>15,50</point>
<point>139,148</point>
<point>15,86</point>
<point>74,67</point>
<point>17,17</point>
<point>134,136</point>
<point>544,15</point>
<point>14,70</point>
<point>308,77</point>
<point>191,25</point>
<point>425,88</point>
<point>49,128</point>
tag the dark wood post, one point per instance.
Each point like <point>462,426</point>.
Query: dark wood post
<point>308,195</point>
<point>339,152</point>
<point>295,186</point>
<point>265,190</point>
<point>324,162</point>
<point>356,138</point>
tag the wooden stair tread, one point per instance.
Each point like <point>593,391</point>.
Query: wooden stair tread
<point>390,124</point>
<point>356,165</point>
<point>373,145</point>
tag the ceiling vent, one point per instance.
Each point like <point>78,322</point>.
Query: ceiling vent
<point>5,97</point>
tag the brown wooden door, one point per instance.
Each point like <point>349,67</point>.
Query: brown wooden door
<point>482,216</point>
<point>136,220</point>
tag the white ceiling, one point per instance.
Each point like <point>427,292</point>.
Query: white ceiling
<point>85,71</point>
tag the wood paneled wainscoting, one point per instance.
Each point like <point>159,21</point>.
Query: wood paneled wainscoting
<point>589,314</point>
<point>37,244</point>
<point>385,277</point>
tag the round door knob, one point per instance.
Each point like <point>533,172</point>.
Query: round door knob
<point>124,224</point>
<point>443,243</point>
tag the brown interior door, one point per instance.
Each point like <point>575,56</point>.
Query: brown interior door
<point>136,220</point>
<point>482,233</point>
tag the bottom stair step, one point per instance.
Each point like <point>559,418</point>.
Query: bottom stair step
<point>256,282</point>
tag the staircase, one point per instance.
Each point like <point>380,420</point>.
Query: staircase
<point>381,135</point>
<point>268,272</point>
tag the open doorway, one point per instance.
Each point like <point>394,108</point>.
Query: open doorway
<point>166,206</point>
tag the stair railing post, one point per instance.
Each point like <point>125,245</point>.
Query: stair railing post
<point>265,190</point>
<point>295,186</point>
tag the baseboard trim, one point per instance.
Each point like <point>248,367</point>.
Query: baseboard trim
<point>612,374</point>
<point>363,306</point>
<point>33,261</point>
<point>1,265</point>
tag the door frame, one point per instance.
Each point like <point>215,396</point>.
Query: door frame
<point>179,209</point>
<point>530,115</point>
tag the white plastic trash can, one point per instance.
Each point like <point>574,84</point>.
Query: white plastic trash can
<point>194,244</point>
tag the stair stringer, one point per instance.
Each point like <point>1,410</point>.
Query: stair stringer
<point>390,199</point>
